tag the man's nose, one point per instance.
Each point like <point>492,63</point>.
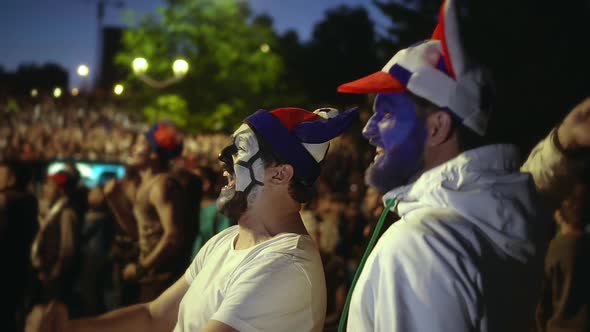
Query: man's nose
<point>370,130</point>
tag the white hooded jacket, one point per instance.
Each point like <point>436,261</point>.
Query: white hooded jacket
<point>466,254</point>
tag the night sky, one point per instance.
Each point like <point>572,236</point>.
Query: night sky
<point>66,31</point>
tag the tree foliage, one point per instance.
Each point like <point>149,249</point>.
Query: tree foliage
<point>230,75</point>
<point>342,48</point>
<point>411,21</point>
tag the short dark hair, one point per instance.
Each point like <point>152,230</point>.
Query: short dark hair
<point>21,172</point>
<point>300,191</point>
<point>467,138</point>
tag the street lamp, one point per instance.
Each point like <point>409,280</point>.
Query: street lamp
<point>265,48</point>
<point>179,69</point>
<point>118,89</point>
<point>34,93</point>
<point>57,92</point>
<point>140,65</point>
<point>75,91</point>
<point>83,71</point>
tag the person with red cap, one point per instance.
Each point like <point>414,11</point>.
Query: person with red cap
<point>263,274</point>
<point>467,251</point>
<point>54,249</point>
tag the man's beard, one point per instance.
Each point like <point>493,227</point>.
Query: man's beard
<point>233,204</point>
<point>390,172</point>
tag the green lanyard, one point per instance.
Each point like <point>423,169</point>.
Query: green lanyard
<point>390,203</point>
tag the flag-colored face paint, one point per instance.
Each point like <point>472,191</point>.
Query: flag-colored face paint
<point>399,136</point>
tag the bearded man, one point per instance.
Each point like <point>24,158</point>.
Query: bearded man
<point>265,273</point>
<point>467,252</point>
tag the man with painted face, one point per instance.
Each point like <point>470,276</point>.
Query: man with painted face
<point>467,253</point>
<point>265,273</point>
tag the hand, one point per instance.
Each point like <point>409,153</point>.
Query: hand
<point>52,317</point>
<point>130,271</point>
<point>574,133</point>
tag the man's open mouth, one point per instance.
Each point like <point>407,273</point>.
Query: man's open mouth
<point>231,180</point>
<point>379,152</point>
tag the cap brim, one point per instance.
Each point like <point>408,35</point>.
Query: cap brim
<point>379,82</point>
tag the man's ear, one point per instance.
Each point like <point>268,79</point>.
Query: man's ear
<point>281,174</point>
<point>439,126</point>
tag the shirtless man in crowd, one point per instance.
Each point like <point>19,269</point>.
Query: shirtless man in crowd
<point>265,273</point>
<point>157,208</point>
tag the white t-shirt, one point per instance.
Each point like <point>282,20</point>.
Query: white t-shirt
<point>276,285</point>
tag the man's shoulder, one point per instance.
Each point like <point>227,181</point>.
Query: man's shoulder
<point>568,243</point>
<point>225,236</point>
<point>427,237</point>
<point>166,182</point>
<point>424,225</point>
<point>161,188</point>
<point>284,254</point>
<point>289,244</point>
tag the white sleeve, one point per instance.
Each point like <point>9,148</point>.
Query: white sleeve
<point>553,172</point>
<point>272,295</point>
<point>415,283</point>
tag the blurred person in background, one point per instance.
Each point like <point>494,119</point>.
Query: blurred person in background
<point>192,192</point>
<point>96,239</point>
<point>18,226</point>
<point>158,207</point>
<point>565,298</point>
<point>329,209</point>
<point>55,250</point>
<point>211,221</point>
<point>79,199</point>
<point>119,196</point>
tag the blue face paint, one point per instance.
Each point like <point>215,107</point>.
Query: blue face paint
<point>399,135</point>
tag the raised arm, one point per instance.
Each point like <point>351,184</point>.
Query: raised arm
<point>558,160</point>
<point>158,315</point>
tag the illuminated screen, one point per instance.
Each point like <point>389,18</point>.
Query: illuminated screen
<point>92,174</point>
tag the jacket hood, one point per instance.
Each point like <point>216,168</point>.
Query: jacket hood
<point>485,187</point>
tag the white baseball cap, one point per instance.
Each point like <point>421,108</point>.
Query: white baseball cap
<point>438,71</point>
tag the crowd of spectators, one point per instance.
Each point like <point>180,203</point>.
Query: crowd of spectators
<point>85,269</point>
<point>42,130</point>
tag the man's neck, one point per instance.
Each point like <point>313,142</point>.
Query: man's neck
<point>435,156</point>
<point>259,225</point>
<point>149,172</point>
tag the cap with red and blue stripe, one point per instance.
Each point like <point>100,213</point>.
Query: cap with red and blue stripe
<point>299,137</point>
